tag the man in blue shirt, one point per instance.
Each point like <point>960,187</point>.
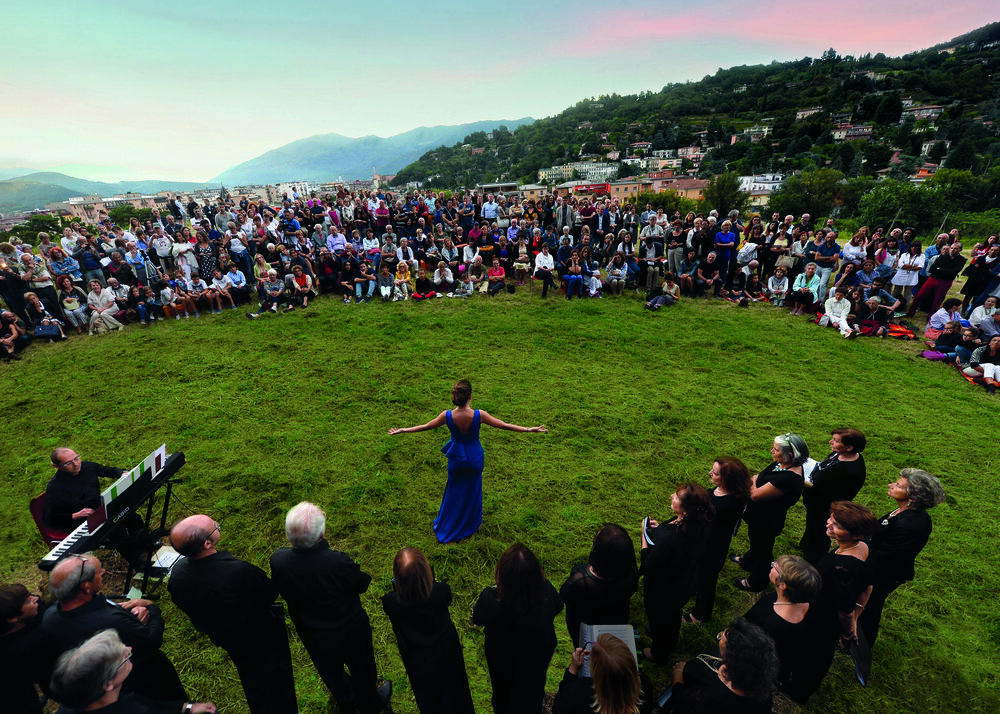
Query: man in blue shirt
<point>826,257</point>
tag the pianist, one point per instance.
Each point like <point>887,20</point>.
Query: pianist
<point>74,490</point>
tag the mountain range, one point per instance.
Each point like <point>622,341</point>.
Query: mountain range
<point>324,157</point>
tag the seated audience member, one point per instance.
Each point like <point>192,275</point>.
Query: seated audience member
<point>480,278</point>
<point>871,319</point>
<point>424,288</point>
<point>91,676</point>
<point>709,276</point>
<point>949,310</point>
<point>737,681</point>
<point>617,274</point>
<point>323,589</point>
<point>951,343</point>
<point>417,606</point>
<point>443,278</point>
<point>103,307</point>
<point>837,312</point>
<point>598,591</point>
<point>544,267</point>
<point>799,629</point>
<point>687,272</point>
<point>272,295</point>
<point>27,652</point>
<point>465,287</point>
<point>985,364</point>
<point>878,290</point>
<point>386,285</point>
<point>73,302</point>
<point>82,611</point>
<point>300,290</point>
<point>777,287</point>
<point>171,297</point>
<point>805,291</point>
<point>615,685</point>
<point>45,322</point>
<point>667,294</point>
<point>364,284</point>
<point>223,288</point>
<point>987,309</point>
<point>495,277</point>
<point>401,282</point>
<point>199,292</point>
<point>518,615</point>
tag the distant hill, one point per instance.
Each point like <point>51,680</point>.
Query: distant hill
<point>34,190</point>
<point>327,156</point>
<point>14,173</point>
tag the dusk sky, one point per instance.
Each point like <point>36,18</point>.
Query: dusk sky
<point>113,90</point>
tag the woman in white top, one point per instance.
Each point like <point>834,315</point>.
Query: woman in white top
<point>988,307</point>
<point>544,267</point>
<point>101,302</point>
<point>469,254</point>
<point>908,269</point>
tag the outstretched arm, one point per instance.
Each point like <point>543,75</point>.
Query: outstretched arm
<point>497,424</point>
<point>432,424</point>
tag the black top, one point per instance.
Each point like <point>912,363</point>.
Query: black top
<point>423,628</point>
<point>704,693</point>
<point>768,516</point>
<point>27,657</point>
<point>728,510</point>
<point>802,647</point>
<point>671,563</point>
<point>225,597</point>
<point>835,480</point>
<point>132,704</point>
<point>596,601</point>
<point>844,579</point>
<point>946,267</point>
<point>321,586</point>
<point>896,544</point>
<point>66,493</point>
<point>576,695</point>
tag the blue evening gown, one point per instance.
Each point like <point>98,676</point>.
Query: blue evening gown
<point>461,511</point>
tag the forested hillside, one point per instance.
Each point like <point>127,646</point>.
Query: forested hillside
<point>960,75</point>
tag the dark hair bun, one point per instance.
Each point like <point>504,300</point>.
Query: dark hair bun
<point>461,393</point>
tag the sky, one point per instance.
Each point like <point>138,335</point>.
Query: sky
<point>117,90</point>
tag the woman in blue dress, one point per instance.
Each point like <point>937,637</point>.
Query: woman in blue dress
<point>461,511</point>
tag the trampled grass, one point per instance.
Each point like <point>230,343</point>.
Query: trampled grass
<point>297,406</point>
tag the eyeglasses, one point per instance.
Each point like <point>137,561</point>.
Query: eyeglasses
<point>64,464</point>
<point>81,579</point>
<point>122,663</point>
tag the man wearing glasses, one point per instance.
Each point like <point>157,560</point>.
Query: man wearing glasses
<point>82,611</point>
<point>91,677</point>
<point>231,601</point>
<point>74,491</point>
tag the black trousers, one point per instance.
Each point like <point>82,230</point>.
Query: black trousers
<point>264,663</point>
<point>546,277</point>
<point>352,648</point>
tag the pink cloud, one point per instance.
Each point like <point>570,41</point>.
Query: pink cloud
<point>794,27</point>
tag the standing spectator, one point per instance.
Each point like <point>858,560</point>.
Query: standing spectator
<point>232,602</point>
<point>940,277</point>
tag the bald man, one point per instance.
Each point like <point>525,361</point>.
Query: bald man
<point>82,611</point>
<point>322,587</point>
<point>74,491</point>
<point>231,601</point>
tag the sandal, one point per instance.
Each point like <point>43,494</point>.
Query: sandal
<point>690,619</point>
<point>740,561</point>
<point>647,654</point>
<point>744,585</point>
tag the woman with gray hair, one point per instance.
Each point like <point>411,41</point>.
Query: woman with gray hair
<point>898,540</point>
<point>773,492</point>
<point>90,677</point>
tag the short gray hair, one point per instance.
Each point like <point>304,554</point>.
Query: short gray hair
<point>814,265</point>
<point>874,299</point>
<point>80,674</point>
<point>304,525</point>
<point>923,489</point>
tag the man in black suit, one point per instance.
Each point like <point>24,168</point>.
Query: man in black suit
<point>322,588</point>
<point>82,611</point>
<point>232,601</point>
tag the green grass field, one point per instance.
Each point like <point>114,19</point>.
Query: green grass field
<point>294,407</point>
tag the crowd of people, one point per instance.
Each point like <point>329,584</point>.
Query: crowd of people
<point>372,245</point>
<point>92,654</point>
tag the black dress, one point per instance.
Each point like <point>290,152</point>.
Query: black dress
<point>670,578</point>
<point>431,652</point>
<point>27,657</point>
<point>801,646</point>
<point>704,693</point>
<point>833,480</point>
<point>766,519</point>
<point>894,549</point>
<point>518,650</point>
<point>728,510</point>
<point>596,601</point>
<point>576,695</point>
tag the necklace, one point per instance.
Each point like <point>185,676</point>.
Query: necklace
<point>778,602</point>
<point>842,551</point>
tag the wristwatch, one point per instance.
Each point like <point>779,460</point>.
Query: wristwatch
<point>188,707</point>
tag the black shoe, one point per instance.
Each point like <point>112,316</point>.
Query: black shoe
<point>744,585</point>
<point>385,694</point>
